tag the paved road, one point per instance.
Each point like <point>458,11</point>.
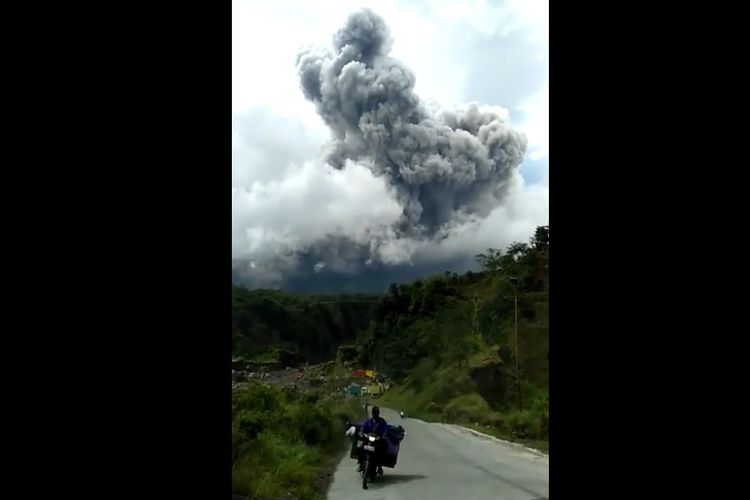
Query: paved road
<point>447,462</point>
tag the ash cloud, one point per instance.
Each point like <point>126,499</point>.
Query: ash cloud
<point>403,190</point>
<point>444,166</point>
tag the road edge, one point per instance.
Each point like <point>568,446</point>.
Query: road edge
<point>482,435</point>
<point>489,437</point>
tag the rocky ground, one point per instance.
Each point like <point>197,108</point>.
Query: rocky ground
<point>329,376</point>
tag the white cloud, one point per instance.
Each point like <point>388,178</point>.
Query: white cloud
<point>310,203</point>
<point>536,125</point>
<point>526,208</point>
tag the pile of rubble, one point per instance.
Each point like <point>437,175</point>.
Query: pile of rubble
<point>244,376</point>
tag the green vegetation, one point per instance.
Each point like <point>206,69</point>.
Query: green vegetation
<point>459,332</point>
<point>311,326</point>
<point>529,426</point>
<point>447,342</point>
<point>269,356</point>
<point>283,440</point>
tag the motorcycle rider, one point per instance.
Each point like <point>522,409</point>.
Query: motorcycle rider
<point>376,424</point>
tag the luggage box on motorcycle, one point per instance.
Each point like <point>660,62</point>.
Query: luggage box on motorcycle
<point>390,455</point>
<point>389,461</point>
<point>387,458</point>
<point>395,433</point>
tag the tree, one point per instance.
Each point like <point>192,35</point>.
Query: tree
<point>540,240</point>
<point>476,303</point>
<point>517,250</point>
<point>491,260</point>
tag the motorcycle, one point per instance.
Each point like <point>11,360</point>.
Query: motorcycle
<point>372,453</point>
<point>370,446</point>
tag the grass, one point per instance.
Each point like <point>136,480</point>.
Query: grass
<point>269,356</point>
<point>284,442</point>
<point>449,395</point>
<point>276,468</point>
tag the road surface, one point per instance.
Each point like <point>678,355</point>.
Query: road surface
<point>447,462</point>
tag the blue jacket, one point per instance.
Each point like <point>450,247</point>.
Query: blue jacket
<point>378,425</point>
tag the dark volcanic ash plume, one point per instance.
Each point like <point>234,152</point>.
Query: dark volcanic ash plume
<point>445,167</point>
